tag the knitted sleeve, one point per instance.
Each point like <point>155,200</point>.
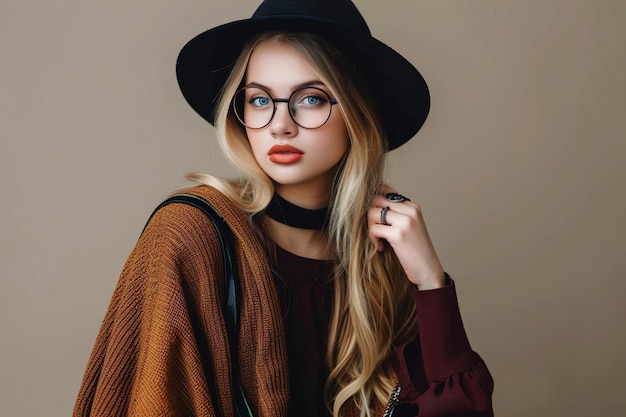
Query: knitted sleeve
<point>163,349</point>
<point>163,332</point>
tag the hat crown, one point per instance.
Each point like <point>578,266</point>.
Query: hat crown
<point>343,12</point>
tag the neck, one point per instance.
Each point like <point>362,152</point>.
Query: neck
<point>290,214</point>
<point>307,243</point>
<point>310,196</point>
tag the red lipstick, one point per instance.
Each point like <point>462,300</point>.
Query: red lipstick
<point>285,154</point>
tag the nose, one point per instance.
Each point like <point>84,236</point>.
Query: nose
<point>282,123</point>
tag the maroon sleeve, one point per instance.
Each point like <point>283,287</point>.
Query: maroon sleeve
<point>439,373</point>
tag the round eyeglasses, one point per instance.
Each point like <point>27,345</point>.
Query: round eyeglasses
<point>309,107</point>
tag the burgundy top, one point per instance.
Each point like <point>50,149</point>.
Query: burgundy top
<point>438,371</point>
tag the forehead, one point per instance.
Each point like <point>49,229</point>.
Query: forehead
<point>279,67</point>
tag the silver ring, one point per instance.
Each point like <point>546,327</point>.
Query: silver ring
<point>383,216</point>
<point>396,197</point>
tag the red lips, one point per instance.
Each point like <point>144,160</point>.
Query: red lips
<point>285,154</point>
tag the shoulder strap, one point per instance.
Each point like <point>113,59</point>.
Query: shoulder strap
<point>231,276</point>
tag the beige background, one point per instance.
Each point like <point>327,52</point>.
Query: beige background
<point>520,170</point>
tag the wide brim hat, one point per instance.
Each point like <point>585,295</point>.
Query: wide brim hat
<point>400,91</point>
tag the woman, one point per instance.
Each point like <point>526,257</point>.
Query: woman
<point>345,308</point>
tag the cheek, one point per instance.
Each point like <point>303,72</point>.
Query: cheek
<point>331,150</point>
<point>341,147</point>
<point>338,139</point>
<point>256,145</point>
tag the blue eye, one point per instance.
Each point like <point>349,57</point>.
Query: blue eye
<point>260,101</point>
<point>312,100</point>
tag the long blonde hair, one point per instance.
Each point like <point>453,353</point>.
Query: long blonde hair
<point>373,308</point>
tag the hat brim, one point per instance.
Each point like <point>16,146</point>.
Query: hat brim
<point>403,98</point>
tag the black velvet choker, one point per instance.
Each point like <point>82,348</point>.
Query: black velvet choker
<point>288,213</point>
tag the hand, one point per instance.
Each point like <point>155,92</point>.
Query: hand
<point>405,231</point>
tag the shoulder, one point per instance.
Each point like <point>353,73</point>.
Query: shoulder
<point>179,223</point>
<point>216,199</point>
<point>237,220</point>
<point>176,216</point>
<point>227,210</point>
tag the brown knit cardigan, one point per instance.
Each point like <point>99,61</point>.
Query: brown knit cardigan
<point>162,348</point>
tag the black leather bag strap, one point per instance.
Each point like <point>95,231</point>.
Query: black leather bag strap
<point>231,276</point>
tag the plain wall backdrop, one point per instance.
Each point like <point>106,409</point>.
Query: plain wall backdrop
<point>520,170</point>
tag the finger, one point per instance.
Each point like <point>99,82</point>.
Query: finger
<point>377,236</point>
<point>376,215</point>
<point>378,232</point>
<point>382,201</point>
<point>395,214</point>
<point>407,208</point>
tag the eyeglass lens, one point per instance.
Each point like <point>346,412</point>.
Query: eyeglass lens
<point>309,107</point>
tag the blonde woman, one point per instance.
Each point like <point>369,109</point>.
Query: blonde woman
<point>345,309</point>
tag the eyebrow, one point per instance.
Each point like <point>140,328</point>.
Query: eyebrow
<point>295,87</point>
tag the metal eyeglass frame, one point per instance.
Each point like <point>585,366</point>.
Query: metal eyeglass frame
<point>275,101</point>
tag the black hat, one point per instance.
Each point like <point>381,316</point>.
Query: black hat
<point>402,95</point>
